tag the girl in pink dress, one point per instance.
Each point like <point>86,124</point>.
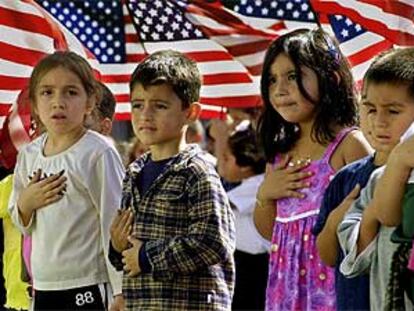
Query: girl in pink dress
<point>307,132</point>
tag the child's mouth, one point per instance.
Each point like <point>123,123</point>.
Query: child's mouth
<point>58,117</point>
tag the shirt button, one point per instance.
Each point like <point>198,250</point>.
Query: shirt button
<point>322,276</point>
<point>306,237</point>
<point>302,272</point>
<point>274,247</point>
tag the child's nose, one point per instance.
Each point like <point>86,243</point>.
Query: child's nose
<point>381,119</point>
<point>280,88</point>
<point>147,112</point>
<point>58,101</point>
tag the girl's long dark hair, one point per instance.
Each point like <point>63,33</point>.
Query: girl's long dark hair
<point>316,50</point>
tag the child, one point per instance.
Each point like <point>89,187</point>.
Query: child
<point>243,161</point>
<point>17,288</point>
<point>309,103</point>
<point>364,235</point>
<point>102,115</point>
<point>195,133</point>
<point>239,115</point>
<point>351,293</point>
<point>180,252</point>
<point>67,185</point>
<point>17,294</point>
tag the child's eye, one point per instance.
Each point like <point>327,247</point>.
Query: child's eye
<point>45,92</point>
<point>137,105</point>
<point>272,80</point>
<point>372,110</point>
<point>161,105</point>
<point>292,77</point>
<point>73,92</point>
<point>394,112</point>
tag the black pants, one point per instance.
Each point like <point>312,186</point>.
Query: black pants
<point>251,281</point>
<point>82,298</point>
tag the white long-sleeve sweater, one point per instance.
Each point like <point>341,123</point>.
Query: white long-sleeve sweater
<point>71,237</point>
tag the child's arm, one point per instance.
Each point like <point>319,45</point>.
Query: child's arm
<point>26,198</point>
<point>354,147</point>
<point>280,181</point>
<point>120,230</point>
<point>327,240</point>
<point>105,189</point>
<point>357,232</point>
<point>6,186</point>
<point>219,131</point>
<point>391,186</point>
<point>264,218</point>
<point>369,228</point>
<point>210,237</point>
<point>38,194</point>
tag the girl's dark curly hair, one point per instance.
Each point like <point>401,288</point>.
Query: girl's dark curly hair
<point>316,50</point>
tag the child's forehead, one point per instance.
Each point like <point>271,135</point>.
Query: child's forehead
<point>387,92</point>
<point>60,72</point>
<point>153,91</point>
<point>284,64</point>
<point>373,87</point>
<point>148,88</point>
<point>282,60</point>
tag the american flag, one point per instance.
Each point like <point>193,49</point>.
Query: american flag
<point>122,34</point>
<point>392,19</point>
<point>227,38</point>
<point>358,44</point>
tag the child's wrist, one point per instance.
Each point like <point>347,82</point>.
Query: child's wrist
<point>262,202</point>
<point>259,203</point>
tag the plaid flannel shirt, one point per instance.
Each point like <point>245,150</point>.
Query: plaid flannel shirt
<point>188,228</point>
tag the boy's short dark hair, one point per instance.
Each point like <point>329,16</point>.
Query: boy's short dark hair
<point>106,107</point>
<point>393,66</point>
<point>173,68</point>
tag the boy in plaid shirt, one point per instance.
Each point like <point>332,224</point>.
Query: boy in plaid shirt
<point>174,236</point>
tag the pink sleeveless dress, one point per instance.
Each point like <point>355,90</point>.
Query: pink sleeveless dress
<point>298,280</point>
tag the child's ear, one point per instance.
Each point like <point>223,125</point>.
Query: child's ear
<point>106,126</point>
<point>193,112</point>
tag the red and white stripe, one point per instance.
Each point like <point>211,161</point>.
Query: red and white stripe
<point>226,81</point>
<point>27,34</point>
<point>391,19</point>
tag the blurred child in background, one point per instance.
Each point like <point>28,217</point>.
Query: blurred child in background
<point>243,162</point>
<point>102,116</point>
